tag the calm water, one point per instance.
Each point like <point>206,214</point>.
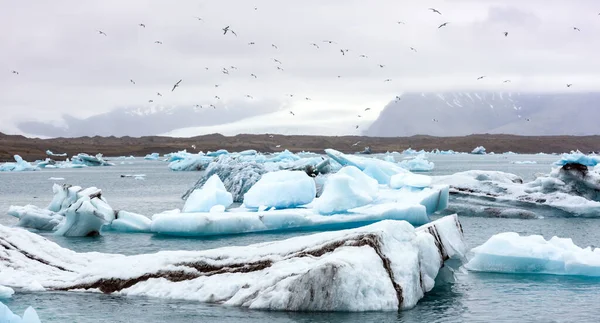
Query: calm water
<point>473,298</point>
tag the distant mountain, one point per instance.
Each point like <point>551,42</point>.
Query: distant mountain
<point>146,121</point>
<point>462,113</point>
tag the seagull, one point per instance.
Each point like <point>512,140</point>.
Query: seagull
<point>278,146</point>
<point>401,23</point>
<point>576,29</point>
<point>506,34</point>
<point>387,80</point>
<point>15,72</point>
<point>271,136</point>
<point>217,97</point>
<point>158,42</point>
<point>398,98</point>
<point>367,109</point>
<point>506,81</point>
<point>435,120</point>
<point>413,49</point>
<point>359,116</point>
<point>226,29</point>
<point>329,41</point>
<point>254,76</point>
<point>307,99</point>
<point>249,96</point>
<point>176,85</point>
<point>355,144</point>
<point>313,44</point>
<point>158,93</point>
<point>290,95</point>
<point>481,77</point>
<point>274,46</point>
<point>443,25</point>
<point>233,67</point>
<point>292,113</point>
<point>132,81</point>
<point>356,126</point>
<point>279,68</point>
<point>197,106</point>
<point>101,32</point>
<point>276,61</point>
<point>142,25</point>
<point>251,43</point>
<point>435,10</point>
<point>528,119</point>
<point>381,65</point>
<point>339,76</point>
<point>225,71</point>
<point>364,56</point>
<point>569,85</point>
<point>150,101</point>
<point>213,106</point>
<point>217,85</point>
<point>199,19</point>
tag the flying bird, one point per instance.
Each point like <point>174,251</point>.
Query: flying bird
<point>443,25</point>
<point>506,34</point>
<point>307,99</point>
<point>506,81</point>
<point>227,29</point>
<point>233,67</point>
<point>249,96</point>
<point>225,71</point>
<point>356,126</point>
<point>101,32</point>
<point>292,113</point>
<point>329,41</point>
<point>313,44</point>
<point>274,46</point>
<point>199,19</point>
<point>344,51</point>
<point>355,144</point>
<point>413,49</point>
<point>364,56</point>
<point>435,10</point>
<point>359,116</point>
<point>401,23</point>
<point>158,42</point>
<point>398,98</point>
<point>276,61</point>
<point>381,65</point>
<point>217,85</point>
<point>150,101</point>
<point>290,95</point>
<point>387,80</point>
<point>254,76</point>
<point>576,29</point>
<point>251,43</point>
<point>481,77</point>
<point>197,106</point>
<point>569,85</point>
<point>142,25</point>
<point>213,106</point>
<point>158,93</point>
<point>176,85</point>
<point>132,81</point>
<point>278,146</point>
<point>217,97</point>
<point>15,72</point>
<point>279,68</point>
<point>367,109</point>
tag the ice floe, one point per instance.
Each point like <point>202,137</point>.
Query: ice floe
<point>20,165</point>
<point>281,189</point>
<point>6,292</point>
<point>50,153</point>
<point>417,164</point>
<point>387,266</point>
<point>152,156</point>
<point>88,160</point>
<point>7,316</point>
<point>511,253</point>
<point>478,151</point>
<point>212,193</point>
<point>578,158</point>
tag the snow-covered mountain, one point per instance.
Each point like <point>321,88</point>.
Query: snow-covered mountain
<point>462,113</point>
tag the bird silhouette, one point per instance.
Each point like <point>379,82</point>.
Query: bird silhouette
<point>443,25</point>
<point>381,66</point>
<point>199,19</point>
<point>213,106</point>
<point>313,44</point>
<point>329,41</point>
<point>233,67</point>
<point>254,76</point>
<point>197,106</point>
<point>249,96</point>
<point>481,77</point>
<point>398,98</point>
<point>356,126</point>
<point>150,101</point>
<point>401,23</point>
<point>576,29</point>
<point>413,49</point>
<point>364,56</point>
<point>227,29</point>
<point>217,97</point>
<point>274,46</point>
<point>251,43</point>
<point>569,85</point>
<point>101,32</point>
<point>132,81</point>
<point>355,144</point>
<point>225,71</point>
<point>279,68</point>
<point>217,85</point>
<point>506,81</point>
<point>276,61</point>
<point>435,10</point>
<point>387,80</point>
<point>292,113</point>
<point>15,72</point>
<point>344,51</point>
<point>308,99</point>
<point>359,116</point>
<point>176,85</point>
<point>367,109</point>
<point>158,42</point>
<point>142,25</point>
<point>158,93</point>
<point>506,34</point>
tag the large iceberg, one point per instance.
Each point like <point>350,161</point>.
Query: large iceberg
<point>417,164</point>
<point>19,165</point>
<point>74,211</point>
<point>7,316</point>
<point>578,157</point>
<point>387,266</point>
<point>511,253</point>
<point>281,189</point>
<point>212,193</point>
<point>478,151</point>
<point>569,191</point>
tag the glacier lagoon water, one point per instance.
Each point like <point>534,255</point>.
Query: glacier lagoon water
<point>475,297</point>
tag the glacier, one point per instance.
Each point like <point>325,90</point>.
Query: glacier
<point>7,316</point>
<point>391,264</point>
<point>212,193</point>
<point>417,164</point>
<point>511,253</point>
<point>572,190</point>
<point>281,189</point>
<point>20,165</point>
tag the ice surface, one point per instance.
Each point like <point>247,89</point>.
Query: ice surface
<point>410,180</point>
<point>191,162</point>
<point>578,158</point>
<point>478,151</point>
<point>212,193</point>
<point>281,189</point>
<point>130,222</point>
<point>217,153</point>
<point>417,164</point>
<point>511,253</point>
<point>7,316</point>
<point>152,156</point>
<point>524,162</point>
<point>50,153</point>
<point>387,266</point>
<point>6,292</point>
<point>87,160</point>
<point>31,216</point>
<point>347,189</point>
<point>19,165</point>
<point>381,169</point>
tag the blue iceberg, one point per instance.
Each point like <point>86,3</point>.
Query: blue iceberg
<point>152,156</point>
<point>578,158</point>
<point>479,151</point>
<point>7,316</point>
<point>20,165</point>
<point>417,164</point>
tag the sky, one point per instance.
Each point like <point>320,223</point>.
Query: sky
<point>66,66</point>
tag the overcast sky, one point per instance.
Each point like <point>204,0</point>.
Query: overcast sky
<point>66,66</point>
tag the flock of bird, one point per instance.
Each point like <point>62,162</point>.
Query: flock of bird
<point>227,30</point>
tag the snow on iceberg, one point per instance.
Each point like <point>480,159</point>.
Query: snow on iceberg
<point>6,292</point>
<point>511,253</point>
<point>578,157</point>
<point>478,151</point>
<point>152,156</point>
<point>345,190</point>
<point>212,193</point>
<point>74,211</point>
<point>569,191</point>
<point>7,316</point>
<point>87,160</point>
<point>282,189</point>
<point>19,165</point>
<point>417,164</point>
<point>390,262</point>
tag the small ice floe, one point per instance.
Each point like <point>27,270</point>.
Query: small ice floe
<point>478,151</point>
<point>152,156</point>
<point>56,179</point>
<point>524,162</point>
<point>7,316</point>
<point>20,165</point>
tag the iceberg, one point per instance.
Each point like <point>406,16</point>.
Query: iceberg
<point>217,153</point>
<point>281,189</point>
<point>87,160</point>
<point>212,193</point>
<point>478,151</point>
<point>578,158</point>
<point>19,165</point>
<point>191,162</point>
<point>152,156</point>
<point>511,253</point>
<point>348,189</point>
<point>391,264</point>
<point>77,212</point>
<point>524,162</point>
<point>7,316</point>
<point>6,292</point>
<point>569,191</point>
<point>50,153</point>
<point>381,169</point>
<point>410,180</point>
<point>417,164</point>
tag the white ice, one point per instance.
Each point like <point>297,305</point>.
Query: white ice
<point>191,162</point>
<point>417,164</point>
<point>387,266</point>
<point>281,189</point>
<point>381,170</point>
<point>578,158</point>
<point>347,189</point>
<point>6,292</point>
<point>19,165</point>
<point>152,156</point>
<point>87,160</point>
<point>212,193</point>
<point>50,153</point>
<point>130,222</point>
<point>511,253</point>
<point>410,180</point>
<point>478,151</point>
<point>7,316</point>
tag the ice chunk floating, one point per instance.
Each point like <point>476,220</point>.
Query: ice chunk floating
<point>7,316</point>
<point>282,189</point>
<point>20,165</point>
<point>391,263</point>
<point>511,253</point>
